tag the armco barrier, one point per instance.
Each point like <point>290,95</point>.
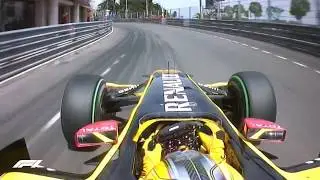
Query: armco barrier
<point>296,37</point>
<point>26,48</point>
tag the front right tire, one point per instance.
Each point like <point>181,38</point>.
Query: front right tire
<point>253,96</point>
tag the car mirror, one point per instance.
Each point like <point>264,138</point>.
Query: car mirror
<point>98,133</point>
<point>262,130</point>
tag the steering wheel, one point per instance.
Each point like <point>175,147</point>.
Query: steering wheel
<point>182,135</point>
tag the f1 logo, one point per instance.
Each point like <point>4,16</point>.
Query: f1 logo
<point>28,163</point>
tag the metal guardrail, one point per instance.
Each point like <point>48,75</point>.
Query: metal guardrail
<point>296,37</point>
<point>23,49</point>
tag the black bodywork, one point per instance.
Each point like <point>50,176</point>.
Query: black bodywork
<point>152,106</point>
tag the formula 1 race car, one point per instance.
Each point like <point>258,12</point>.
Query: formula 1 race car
<point>178,129</point>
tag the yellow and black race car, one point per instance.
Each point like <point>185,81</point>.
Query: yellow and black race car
<point>178,129</point>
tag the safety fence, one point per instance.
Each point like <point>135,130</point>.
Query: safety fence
<point>23,49</point>
<point>296,37</point>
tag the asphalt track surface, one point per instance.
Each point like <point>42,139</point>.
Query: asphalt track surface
<point>29,104</point>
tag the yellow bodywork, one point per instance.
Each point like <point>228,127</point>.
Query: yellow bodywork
<point>156,169</point>
<point>20,175</point>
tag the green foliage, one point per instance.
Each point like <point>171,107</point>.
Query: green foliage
<point>228,11</point>
<point>133,6</point>
<point>256,9</point>
<point>197,16</point>
<point>299,8</point>
<point>238,10</point>
<point>274,12</point>
<point>246,13</point>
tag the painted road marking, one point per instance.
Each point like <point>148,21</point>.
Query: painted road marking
<point>109,68</point>
<point>106,71</point>
<point>281,57</point>
<point>57,116</point>
<point>54,119</point>
<point>122,56</point>
<point>116,62</point>
<point>317,71</point>
<point>267,52</point>
<point>51,122</point>
<point>299,64</point>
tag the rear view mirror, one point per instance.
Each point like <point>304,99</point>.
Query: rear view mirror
<point>261,130</point>
<point>98,133</point>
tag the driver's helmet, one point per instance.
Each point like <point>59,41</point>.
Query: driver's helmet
<point>187,165</point>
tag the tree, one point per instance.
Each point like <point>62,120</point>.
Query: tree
<point>299,8</point>
<point>197,16</point>
<point>228,11</point>
<point>274,12</point>
<point>134,6</point>
<point>256,9</point>
<point>246,13</point>
<point>238,10</point>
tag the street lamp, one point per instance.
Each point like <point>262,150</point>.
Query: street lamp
<point>200,3</point>
<point>126,13</point>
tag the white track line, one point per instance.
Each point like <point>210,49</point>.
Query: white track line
<point>109,68</point>
<point>106,71</point>
<point>299,64</point>
<point>267,52</point>
<point>47,62</point>
<point>51,122</point>
<point>244,44</point>
<point>122,56</point>
<point>281,57</point>
<point>317,71</point>
<point>116,62</point>
<point>255,48</point>
<point>57,116</point>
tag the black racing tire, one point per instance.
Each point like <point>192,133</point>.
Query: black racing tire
<point>253,97</point>
<point>81,104</point>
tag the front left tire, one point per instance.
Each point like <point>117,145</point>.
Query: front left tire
<point>81,104</point>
